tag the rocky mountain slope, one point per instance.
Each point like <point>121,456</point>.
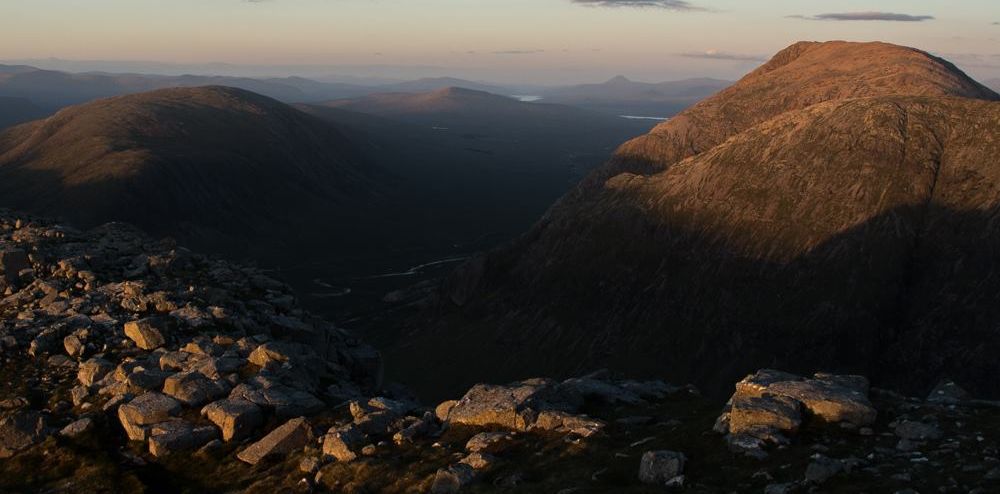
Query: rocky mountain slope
<point>212,166</point>
<point>134,365</point>
<point>854,234</point>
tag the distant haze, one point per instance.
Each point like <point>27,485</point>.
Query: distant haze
<point>504,41</point>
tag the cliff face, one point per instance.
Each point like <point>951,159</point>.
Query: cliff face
<point>854,234</point>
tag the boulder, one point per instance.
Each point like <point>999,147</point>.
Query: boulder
<point>511,407</point>
<point>488,442</point>
<point>293,435</point>
<point>93,370</point>
<point>146,333</point>
<point>660,467</point>
<point>236,418</point>
<point>443,409</point>
<point>822,469</point>
<point>947,392</point>
<point>194,389</point>
<point>20,431</point>
<point>77,428</point>
<point>343,443</point>
<point>479,461</point>
<point>151,408</point>
<point>453,479</point>
<point>752,414</point>
<point>179,435</point>
<point>828,400</point>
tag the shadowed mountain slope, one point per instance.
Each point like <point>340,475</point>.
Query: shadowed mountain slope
<point>214,166</point>
<point>855,234</point>
<point>18,110</point>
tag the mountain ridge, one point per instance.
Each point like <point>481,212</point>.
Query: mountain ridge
<point>618,263</point>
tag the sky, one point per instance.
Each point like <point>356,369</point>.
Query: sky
<point>510,41</point>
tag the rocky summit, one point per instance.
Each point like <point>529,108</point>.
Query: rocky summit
<point>833,209</point>
<point>134,365</point>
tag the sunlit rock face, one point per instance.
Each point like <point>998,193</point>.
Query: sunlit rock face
<point>792,220</point>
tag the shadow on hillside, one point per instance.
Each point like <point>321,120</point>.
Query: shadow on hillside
<point>905,298</point>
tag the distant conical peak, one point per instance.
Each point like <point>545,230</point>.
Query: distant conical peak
<point>619,79</point>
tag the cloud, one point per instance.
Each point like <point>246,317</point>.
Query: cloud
<point>518,52</point>
<point>865,16</point>
<point>678,5</point>
<point>720,55</point>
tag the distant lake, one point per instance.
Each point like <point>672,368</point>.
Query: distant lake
<point>526,98</point>
<point>637,117</point>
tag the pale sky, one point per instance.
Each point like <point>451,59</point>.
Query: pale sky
<point>543,41</point>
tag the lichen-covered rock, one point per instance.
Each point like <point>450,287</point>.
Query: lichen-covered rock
<point>178,435</point>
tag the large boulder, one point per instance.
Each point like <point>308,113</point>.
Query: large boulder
<point>139,414</point>
<point>293,435</point>
<point>236,418</point>
<point>513,407</point>
<point>768,405</point>
<point>178,435</point>
<point>194,389</point>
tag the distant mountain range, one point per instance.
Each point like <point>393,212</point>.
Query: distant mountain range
<point>17,110</point>
<point>51,90</point>
<point>835,209</point>
<point>622,96</point>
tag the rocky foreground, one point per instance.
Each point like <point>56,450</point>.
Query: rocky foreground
<point>132,365</point>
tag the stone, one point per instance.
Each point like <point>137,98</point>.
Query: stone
<point>443,409</point>
<point>93,370</point>
<point>236,418</point>
<point>829,401</point>
<point>947,392</point>
<point>488,442</point>
<point>77,428</point>
<point>822,469</point>
<point>510,407</point>
<point>749,414</point>
<point>272,353</point>
<point>452,479</point>
<point>145,333</point>
<point>343,443</point>
<point>146,410</point>
<point>309,464</point>
<point>293,435</point>
<point>479,461</point>
<point>178,435</point>
<point>73,346</point>
<point>659,467</point>
<point>194,389</point>
<point>555,420</point>
<point>20,431</point>
<point>419,427</point>
<point>917,431</point>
